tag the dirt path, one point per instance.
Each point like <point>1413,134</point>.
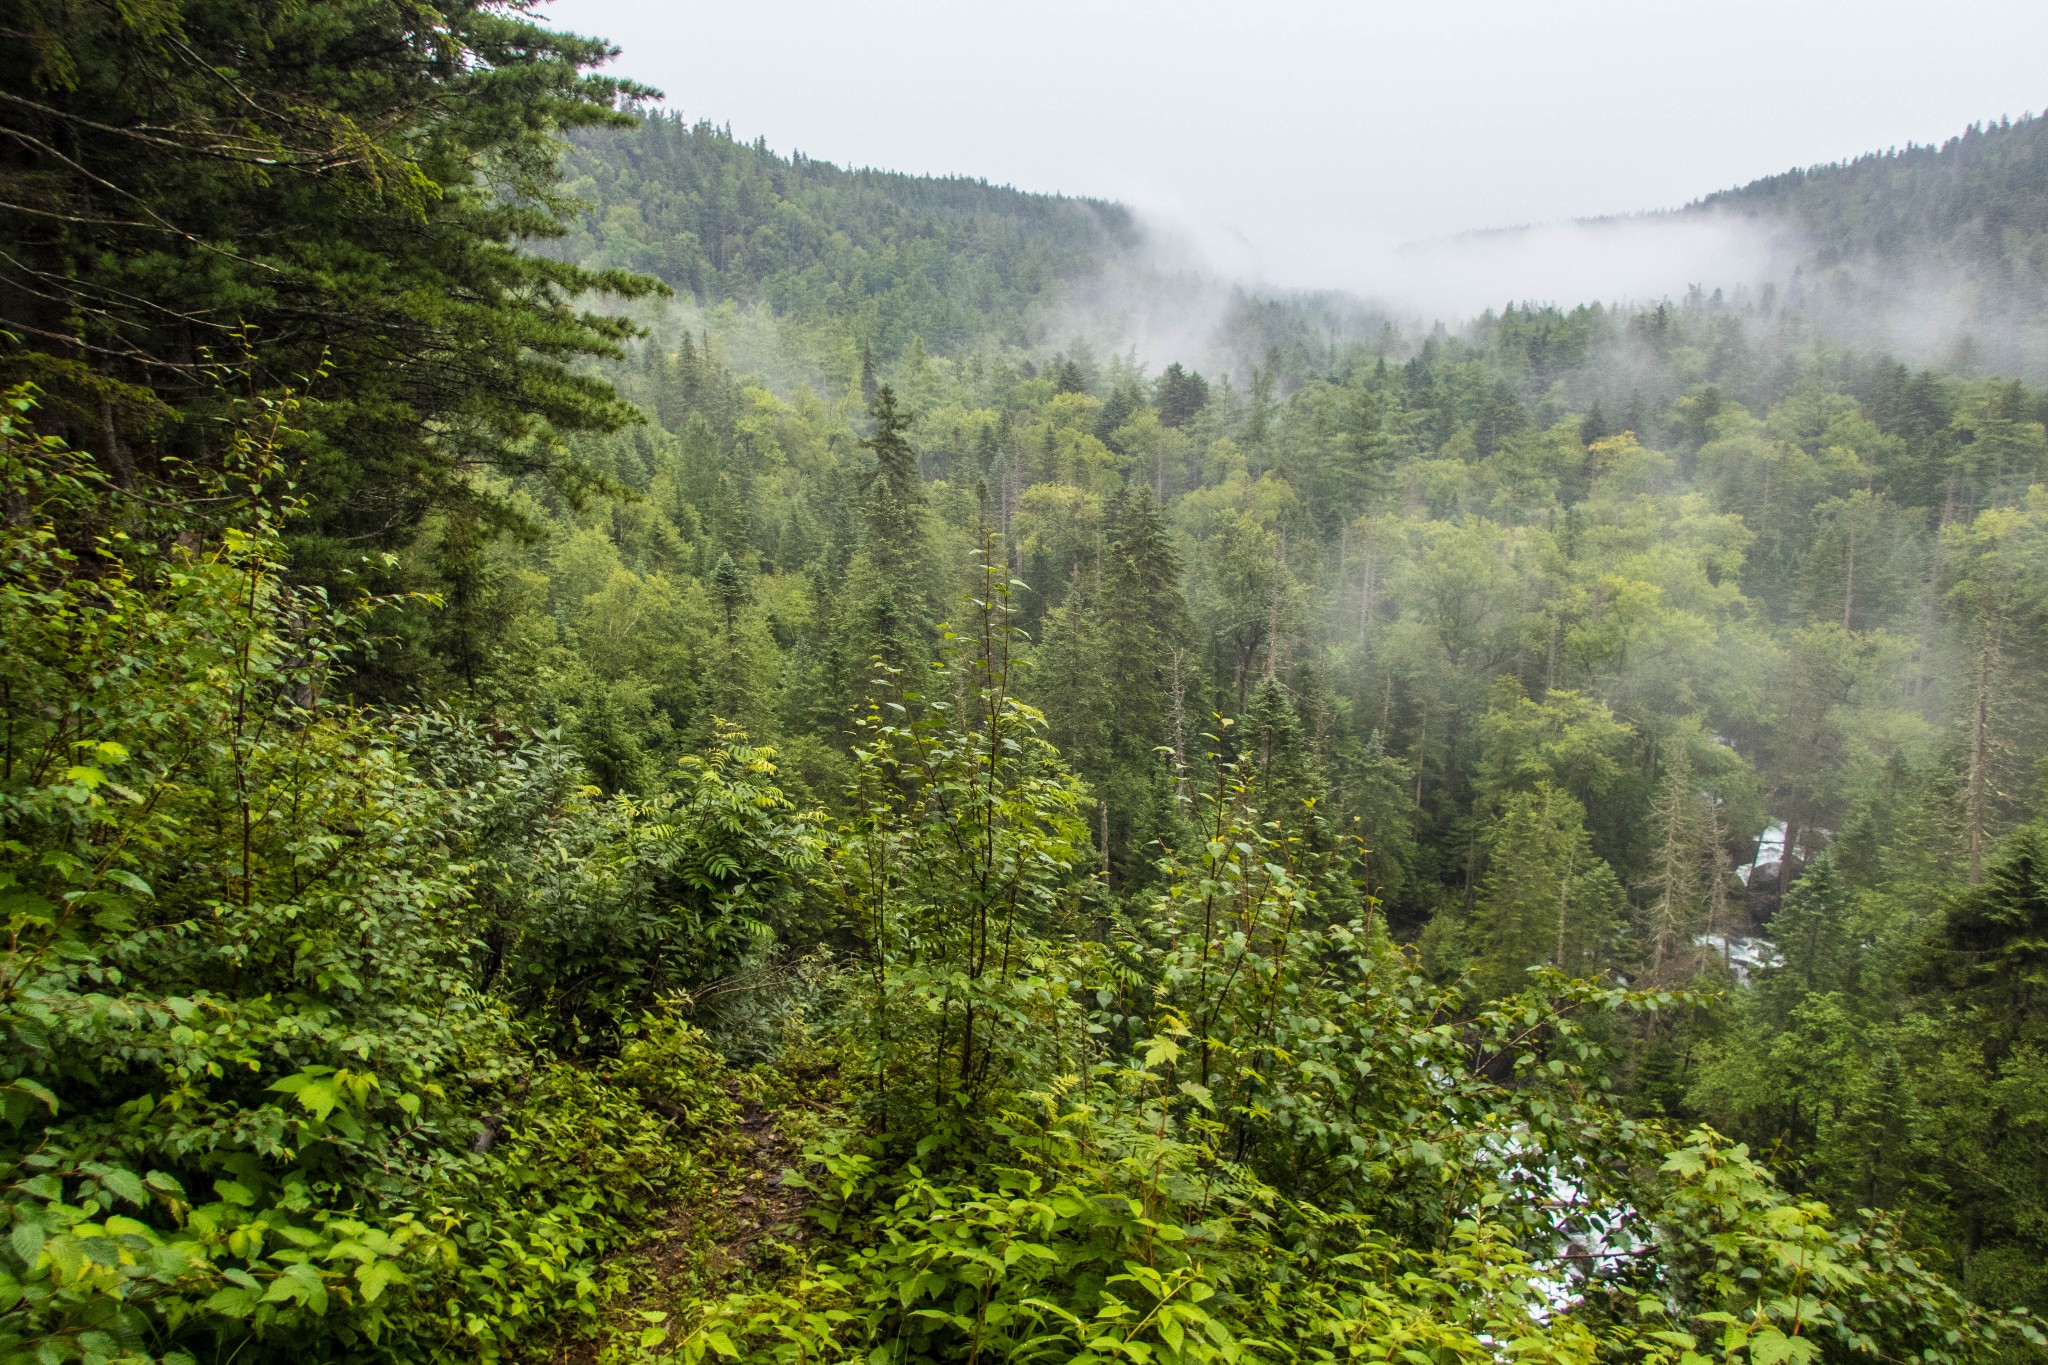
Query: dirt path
<point>742,1225</point>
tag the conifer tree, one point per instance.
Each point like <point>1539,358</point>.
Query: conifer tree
<point>1545,898</point>
<point>1671,914</point>
<point>1142,573</point>
<point>1277,749</point>
<point>2000,567</point>
<point>1813,934</point>
<point>301,190</point>
<point>887,593</point>
<point>1182,394</point>
<point>728,591</point>
<point>895,499</point>
<point>1124,400</point>
<point>1594,425</point>
<point>1258,422</point>
<point>1371,790</point>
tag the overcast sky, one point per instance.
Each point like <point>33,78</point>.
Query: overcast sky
<point>1296,134</point>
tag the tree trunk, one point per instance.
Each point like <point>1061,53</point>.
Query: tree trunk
<point>1103,808</point>
<point>1564,903</point>
<point>1180,752</point>
<point>1368,594</point>
<point>1421,751</point>
<point>1849,584</point>
<point>1980,759</point>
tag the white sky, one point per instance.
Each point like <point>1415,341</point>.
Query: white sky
<point>1299,134</point>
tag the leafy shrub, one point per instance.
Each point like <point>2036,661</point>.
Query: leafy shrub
<point>257,1096</point>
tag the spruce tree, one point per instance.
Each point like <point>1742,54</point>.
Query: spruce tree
<point>895,492</point>
<point>728,591</point>
<point>1813,935</point>
<point>1181,395</point>
<point>1278,750</point>
<point>291,191</point>
<point>1671,912</point>
<point>1545,899</point>
<point>1123,400</point>
<point>1594,425</point>
<point>893,603</point>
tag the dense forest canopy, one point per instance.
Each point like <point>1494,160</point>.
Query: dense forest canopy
<point>1939,249</point>
<point>612,749</point>
<point>1978,197</point>
<point>947,262</point>
<point>1945,243</point>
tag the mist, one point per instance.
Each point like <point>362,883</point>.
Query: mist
<point>1184,291</point>
<point>1187,283</point>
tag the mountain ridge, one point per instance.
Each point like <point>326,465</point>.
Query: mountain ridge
<point>1938,252</point>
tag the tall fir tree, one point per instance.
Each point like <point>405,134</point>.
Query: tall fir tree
<point>1545,899</point>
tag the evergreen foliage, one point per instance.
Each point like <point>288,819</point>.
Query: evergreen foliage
<point>1969,217</point>
<point>859,262</point>
<point>956,850</point>
<point>296,190</point>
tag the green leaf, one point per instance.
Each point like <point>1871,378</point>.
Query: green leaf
<point>375,1276</point>
<point>124,1183</point>
<point>27,1240</point>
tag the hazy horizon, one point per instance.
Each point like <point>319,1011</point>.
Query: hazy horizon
<point>1306,149</point>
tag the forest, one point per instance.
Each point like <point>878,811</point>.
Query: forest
<point>619,747</point>
<point>1960,229</point>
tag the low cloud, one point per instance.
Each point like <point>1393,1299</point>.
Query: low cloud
<point>1183,291</point>
<point>1611,261</point>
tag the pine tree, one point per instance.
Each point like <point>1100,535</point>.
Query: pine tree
<point>895,498</point>
<point>1182,394</point>
<point>728,591</point>
<point>1123,400</point>
<point>1545,898</point>
<point>1813,935</point>
<point>1670,916</point>
<point>887,606</point>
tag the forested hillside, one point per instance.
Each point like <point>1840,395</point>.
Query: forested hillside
<point>847,259</point>
<point>1978,198</point>
<point>1949,240</point>
<point>524,838</point>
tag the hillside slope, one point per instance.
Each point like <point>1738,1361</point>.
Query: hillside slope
<point>1980,198</point>
<point>883,256</point>
<point>1924,246</point>
<point>1937,253</point>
